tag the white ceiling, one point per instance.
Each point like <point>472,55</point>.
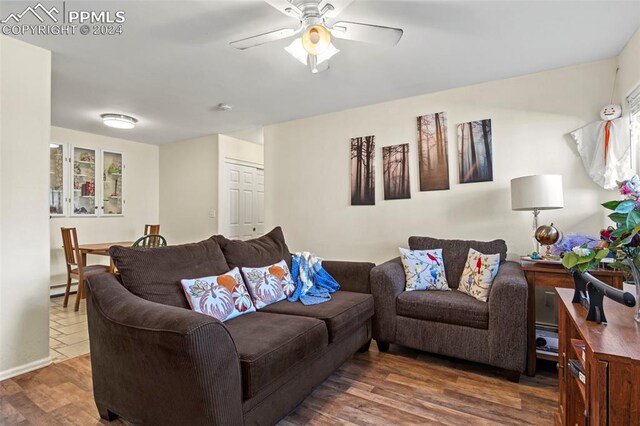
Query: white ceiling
<point>173,64</point>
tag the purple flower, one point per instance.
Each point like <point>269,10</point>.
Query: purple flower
<point>570,241</point>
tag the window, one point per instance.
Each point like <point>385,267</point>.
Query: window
<point>634,118</point>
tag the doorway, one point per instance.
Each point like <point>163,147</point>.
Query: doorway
<point>242,209</point>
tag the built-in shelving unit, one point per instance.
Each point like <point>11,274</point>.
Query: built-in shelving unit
<point>93,178</point>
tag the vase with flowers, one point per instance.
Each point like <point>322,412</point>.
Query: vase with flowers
<point>622,240</point>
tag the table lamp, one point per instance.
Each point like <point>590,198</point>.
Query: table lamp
<point>536,193</point>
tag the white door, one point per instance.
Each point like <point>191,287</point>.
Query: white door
<point>243,209</point>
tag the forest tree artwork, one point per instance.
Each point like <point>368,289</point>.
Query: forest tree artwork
<point>363,189</point>
<point>395,171</point>
<point>475,151</point>
<point>433,157</point>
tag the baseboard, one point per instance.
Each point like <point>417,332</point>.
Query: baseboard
<point>58,290</point>
<point>21,369</point>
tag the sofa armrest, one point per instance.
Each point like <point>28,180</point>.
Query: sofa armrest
<point>352,276</point>
<point>160,364</point>
<point>508,318</point>
<point>387,282</point>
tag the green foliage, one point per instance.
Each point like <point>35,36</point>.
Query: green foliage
<point>625,206</point>
<point>611,205</point>
<point>618,218</point>
<point>623,240</point>
<point>582,263</point>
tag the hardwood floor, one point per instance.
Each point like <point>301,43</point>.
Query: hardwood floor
<point>402,387</point>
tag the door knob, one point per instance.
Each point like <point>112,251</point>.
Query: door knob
<point>254,229</point>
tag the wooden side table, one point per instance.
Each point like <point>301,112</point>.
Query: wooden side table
<point>553,275</point>
<point>609,355</point>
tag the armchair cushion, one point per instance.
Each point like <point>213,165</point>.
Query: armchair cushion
<point>270,344</point>
<point>478,274</point>
<point>424,270</point>
<point>449,307</point>
<point>341,313</point>
<point>455,253</point>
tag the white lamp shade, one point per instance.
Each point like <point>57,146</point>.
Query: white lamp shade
<point>539,192</point>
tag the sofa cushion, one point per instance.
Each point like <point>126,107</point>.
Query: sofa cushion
<point>222,296</point>
<point>270,344</point>
<point>263,251</point>
<point>154,273</point>
<point>269,284</point>
<point>455,253</point>
<point>450,307</point>
<point>342,313</point>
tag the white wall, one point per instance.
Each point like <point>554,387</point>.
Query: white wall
<point>231,148</point>
<point>189,189</point>
<point>309,167</point>
<point>629,73</point>
<point>141,196</point>
<point>254,135</point>
<point>25,120</point>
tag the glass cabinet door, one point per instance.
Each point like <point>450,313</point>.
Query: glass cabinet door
<point>83,163</point>
<point>112,168</point>
<point>57,196</point>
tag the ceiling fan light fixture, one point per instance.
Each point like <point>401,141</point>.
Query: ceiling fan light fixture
<point>296,50</point>
<point>327,54</point>
<point>316,40</point>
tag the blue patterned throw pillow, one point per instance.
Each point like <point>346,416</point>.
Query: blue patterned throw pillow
<point>424,269</point>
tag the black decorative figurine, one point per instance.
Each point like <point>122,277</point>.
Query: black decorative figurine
<point>590,292</point>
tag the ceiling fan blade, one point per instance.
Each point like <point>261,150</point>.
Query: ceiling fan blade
<point>367,33</point>
<point>282,6</point>
<point>338,6</point>
<point>257,40</point>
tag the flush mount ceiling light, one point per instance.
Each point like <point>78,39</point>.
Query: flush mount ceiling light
<point>312,45</point>
<point>119,121</point>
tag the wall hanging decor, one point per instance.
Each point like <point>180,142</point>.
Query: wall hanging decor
<point>363,187</point>
<point>475,151</point>
<point>605,146</point>
<point>433,157</point>
<point>395,171</point>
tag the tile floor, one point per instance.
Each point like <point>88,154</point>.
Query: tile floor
<point>68,332</point>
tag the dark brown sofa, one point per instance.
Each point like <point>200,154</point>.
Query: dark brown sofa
<point>154,361</point>
<point>450,322</point>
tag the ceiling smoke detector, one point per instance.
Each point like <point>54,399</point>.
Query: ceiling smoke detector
<point>224,107</point>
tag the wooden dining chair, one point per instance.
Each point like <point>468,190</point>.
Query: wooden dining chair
<point>150,241</point>
<point>76,269</point>
<point>151,229</point>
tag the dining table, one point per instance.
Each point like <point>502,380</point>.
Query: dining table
<point>101,249</point>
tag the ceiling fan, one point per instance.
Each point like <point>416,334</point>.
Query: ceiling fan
<point>312,44</point>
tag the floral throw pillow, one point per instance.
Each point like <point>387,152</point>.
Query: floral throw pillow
<point>269,284</point>
<point>223,296</point>
<point>424,269</point>
<point>478,274</point>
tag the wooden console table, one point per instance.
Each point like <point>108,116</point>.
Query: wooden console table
<point>610,394</point>
<point>553,275</point>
